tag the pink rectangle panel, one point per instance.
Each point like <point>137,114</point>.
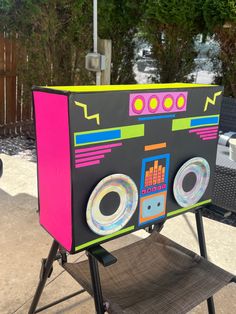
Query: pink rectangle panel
<point>89,149</point>
<point>155,103</point>
<point>203,129</point>
<point>89,158</point>
<point>207,132</point>
<point>102,151</point>
<point>207,135</point>
<point>54,177</point>
<point>209,138</point>
<point>87,164</point>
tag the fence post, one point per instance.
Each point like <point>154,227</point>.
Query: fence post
<point>105,48</point>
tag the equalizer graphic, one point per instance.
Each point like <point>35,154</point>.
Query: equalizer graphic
<point>153,188</point>
<point>154,174</point>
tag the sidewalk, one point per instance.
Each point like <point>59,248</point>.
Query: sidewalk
<point>24,243</point>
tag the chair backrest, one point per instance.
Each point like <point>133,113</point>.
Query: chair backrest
<point>228,114</point>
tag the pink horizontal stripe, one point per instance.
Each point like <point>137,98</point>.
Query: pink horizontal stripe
<point>209,138</point>
<point>87,164</point>
<point>207,132</point>
<point>89,149</point>
<point>102,151</point>
<point>207,135</point>
<point>89,158</point>
<point>203,129</point>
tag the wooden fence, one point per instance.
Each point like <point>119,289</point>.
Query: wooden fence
<point>15,115</point>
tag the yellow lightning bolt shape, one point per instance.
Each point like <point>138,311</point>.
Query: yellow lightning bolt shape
<point>85,108</point>
<point>211,101</point>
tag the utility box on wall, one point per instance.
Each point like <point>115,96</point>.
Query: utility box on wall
<point>115,159</point>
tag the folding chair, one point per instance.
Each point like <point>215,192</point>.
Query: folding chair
<point>154,275</point>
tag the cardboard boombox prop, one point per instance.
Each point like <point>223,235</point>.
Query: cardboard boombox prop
<point>115,159</point>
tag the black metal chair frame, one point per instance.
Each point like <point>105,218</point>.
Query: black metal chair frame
<point>99,254</point>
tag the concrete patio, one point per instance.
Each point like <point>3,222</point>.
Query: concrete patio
<point>23,244</point>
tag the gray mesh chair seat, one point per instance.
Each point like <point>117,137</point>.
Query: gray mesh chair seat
<point>154,275</point>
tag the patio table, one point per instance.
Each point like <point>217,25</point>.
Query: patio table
<point>224,190</point>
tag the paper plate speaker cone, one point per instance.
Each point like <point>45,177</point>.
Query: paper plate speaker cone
<point>127,191</point>
<point>198,167</point>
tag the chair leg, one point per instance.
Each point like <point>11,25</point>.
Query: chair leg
<point>45,273</point>
<point>96,284</point>
<point>203,251</point>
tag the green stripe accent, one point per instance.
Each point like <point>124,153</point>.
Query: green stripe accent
<point>181,210</point>
<point>131,131</point>
<point>109,236</point>
<point>185,123</point>
<point>181,124</point>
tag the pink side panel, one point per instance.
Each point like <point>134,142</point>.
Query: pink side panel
<point>54,177</point>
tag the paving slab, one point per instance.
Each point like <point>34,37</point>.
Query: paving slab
<point>23,244</point>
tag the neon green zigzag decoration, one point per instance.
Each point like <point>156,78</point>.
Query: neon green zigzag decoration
<point>211,101</point>
<point>85,108</point>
